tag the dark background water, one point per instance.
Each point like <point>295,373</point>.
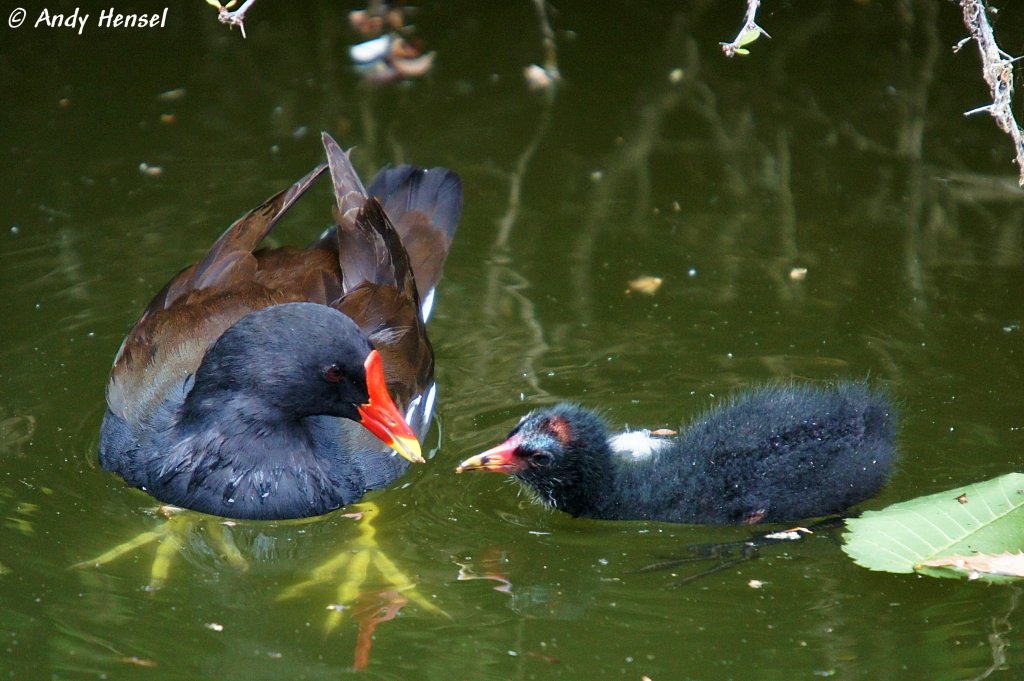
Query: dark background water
<point>838,146</point>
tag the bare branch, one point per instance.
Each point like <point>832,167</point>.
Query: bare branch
<point>997,69</point>
<point>748,34</point>
<point>236,18</point>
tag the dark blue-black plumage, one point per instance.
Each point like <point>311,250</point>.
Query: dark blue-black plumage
<point>241,390</point>
<point>773,454</point>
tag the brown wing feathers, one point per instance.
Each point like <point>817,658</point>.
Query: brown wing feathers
<point>379,289</point>
<point>424,206</point>
<point>359,267</point>
<point>230,259</point>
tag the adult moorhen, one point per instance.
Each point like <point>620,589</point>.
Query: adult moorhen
<point>261,383</point>
<point>773,454</point>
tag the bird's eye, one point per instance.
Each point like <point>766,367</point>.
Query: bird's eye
<point>541,458</point>
<point>334,373</point>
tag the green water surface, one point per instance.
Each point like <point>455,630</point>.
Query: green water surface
<point>838,146</point>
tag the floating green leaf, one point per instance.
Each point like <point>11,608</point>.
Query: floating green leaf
<point>987,517</point>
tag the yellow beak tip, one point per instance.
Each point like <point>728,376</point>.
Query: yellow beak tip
<point>470,464</point>
<point>408,448</point>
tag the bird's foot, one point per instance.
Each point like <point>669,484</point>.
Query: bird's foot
<point>373,608</point>
<point>349,569</point>
<point>169,537</point>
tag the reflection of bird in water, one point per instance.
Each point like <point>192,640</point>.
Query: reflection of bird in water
<point>392,50</point>
<point>379,15</point>
<point>270,384</point>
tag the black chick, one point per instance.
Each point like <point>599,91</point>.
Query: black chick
<point>773,454</point>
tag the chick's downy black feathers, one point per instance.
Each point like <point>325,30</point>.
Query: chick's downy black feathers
<point>773,454</point>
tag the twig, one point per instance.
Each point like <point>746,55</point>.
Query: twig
<point>748,34</point>
<point>236,18</point>
<point>997,69</point>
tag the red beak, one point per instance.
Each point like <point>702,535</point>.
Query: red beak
<point>381,417</point>
<point>500,459</point>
